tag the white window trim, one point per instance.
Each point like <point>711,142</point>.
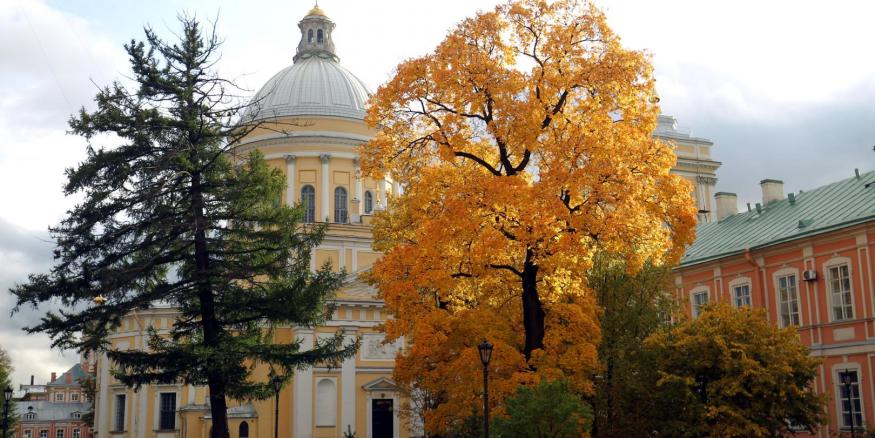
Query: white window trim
<point>776,286</point>
<point>695,291</point>
<point>112,424</point>
<point>741,281</point>
<point>837,399</point>
<point>157,403</point>
<point>836,261</point>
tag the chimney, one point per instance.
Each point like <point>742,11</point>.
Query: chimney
<point>31,380</point>
<point>727,204</point>
<point>773,190</point>
<point>54,376</point>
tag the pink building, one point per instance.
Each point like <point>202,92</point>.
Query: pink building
<point>60,411</point>
<point>805,258</point>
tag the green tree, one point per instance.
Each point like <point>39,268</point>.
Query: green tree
<point>549,409</point>
<point>6,382</point>
<point>730,373</point>
<point>634,306</point>
<point>173,215</point>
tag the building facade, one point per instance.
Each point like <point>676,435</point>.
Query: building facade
<point>694,163</point>
<point>58,409</point>
<point>806,259</point>
<point>310,120</point>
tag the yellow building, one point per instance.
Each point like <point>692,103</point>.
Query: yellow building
<point>694,163</point>
<point>311,122</point>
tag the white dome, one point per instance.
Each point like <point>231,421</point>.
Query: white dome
<point>312,86</point>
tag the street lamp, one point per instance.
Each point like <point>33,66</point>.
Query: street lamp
<point>7,397</point>
<point>846,381</point>
<point>485,349</point>
<point>277,383</point>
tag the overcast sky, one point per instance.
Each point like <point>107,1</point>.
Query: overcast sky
<point>785,89</point>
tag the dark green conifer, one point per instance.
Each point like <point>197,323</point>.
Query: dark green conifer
<point>172,215</point>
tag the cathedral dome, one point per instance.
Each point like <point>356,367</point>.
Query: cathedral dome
<point>313,86</point>
<point>316,84</point>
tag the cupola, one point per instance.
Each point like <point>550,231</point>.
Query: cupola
<point>316,40</point>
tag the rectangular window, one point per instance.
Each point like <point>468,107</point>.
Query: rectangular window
<point>28,433</point>
<point>840,292</point>
<point>788,300</point>
<point>59,396</point>
<point>167,420</point>
<point>741,295</point>
<point>851,407</point>
<point>119,413</point>
<point>74,396</point>
<point>699,300</point>
<point>76,433</point>
<point>59,433</point>
<point>44,433</point>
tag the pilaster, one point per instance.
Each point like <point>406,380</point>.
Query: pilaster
<point>302,408</point>
<point>326,160</point>
<point>291,184</point>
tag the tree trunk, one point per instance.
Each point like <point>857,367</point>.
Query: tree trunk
<point>533,311</point>
<point>215,380</point>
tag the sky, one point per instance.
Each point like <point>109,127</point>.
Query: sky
<point>784,89</point>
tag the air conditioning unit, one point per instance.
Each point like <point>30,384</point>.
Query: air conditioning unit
<point>809,275</point>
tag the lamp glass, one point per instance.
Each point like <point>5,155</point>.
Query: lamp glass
<point>7,394</point>
<point>485,349</point>
<point>277,382</point>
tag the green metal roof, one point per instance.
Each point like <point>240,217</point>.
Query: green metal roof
<point>823,209</point>
<point>76,374</point>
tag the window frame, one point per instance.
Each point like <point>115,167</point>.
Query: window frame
<point>60,433</point>
<point>119,416</point>
<point>837,371</point>
<point>167,417</point>
<point>59,396</point>
<point>76,433</point>
<point>44,433</point>
<point>309,201</point>
<point>839,262</point>
<point>694,308</point>
<point>341,207</point>
<point>369,202</point>
<point>74,397</point>
<point>776,277</point>
<point>737,284</point>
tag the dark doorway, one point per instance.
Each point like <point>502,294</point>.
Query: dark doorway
<point>381,418</point>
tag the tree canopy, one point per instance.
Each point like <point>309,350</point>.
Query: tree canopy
<point>523,144</point>
<point>172,215</point>
<point>731,373</point>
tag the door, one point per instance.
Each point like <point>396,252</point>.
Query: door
<point>382,420</point>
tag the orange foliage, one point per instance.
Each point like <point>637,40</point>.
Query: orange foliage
<point>524,146</point>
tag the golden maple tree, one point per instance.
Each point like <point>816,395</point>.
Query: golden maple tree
<point>523,143</point>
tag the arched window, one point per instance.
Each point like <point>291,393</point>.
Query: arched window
<point>369,202</point>
<point>310,36</point>
<point>319,36</point>
<point>244,430</point>
<point>340,211</point>
<point>308,198</point>
<point>326,403</point>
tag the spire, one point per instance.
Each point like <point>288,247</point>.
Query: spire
<point>316,40</point>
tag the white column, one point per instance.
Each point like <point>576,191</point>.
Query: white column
<point>347,384</point>
<point>396,421</point>
<point>302,408</point>
<point>142,405</point>
<point>358,200</point>
<point>291,186</point>
<point>326,159</point>
<point>102,409</point>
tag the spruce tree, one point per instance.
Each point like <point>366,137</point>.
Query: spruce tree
<point>173,215</point>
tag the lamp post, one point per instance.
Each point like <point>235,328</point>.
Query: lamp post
<point>7,397</point>
<point>485,349</point>
<point>277,383</point>
<point>846,381</point>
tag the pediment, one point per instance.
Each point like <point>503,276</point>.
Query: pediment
<point>354,288</point>
<point>381,384</point>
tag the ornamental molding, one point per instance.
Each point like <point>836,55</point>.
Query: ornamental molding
<point>709,180</point>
